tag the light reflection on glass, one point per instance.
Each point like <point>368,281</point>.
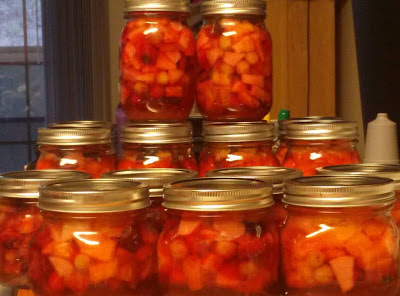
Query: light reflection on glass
<point>230,33</point>
<point>150,160</point>
<point>78,235</point>
<point>232,157</point>
<point>315,156</point>
<point>149,31</point>
<point>323,227</point>
<point>65,161</point>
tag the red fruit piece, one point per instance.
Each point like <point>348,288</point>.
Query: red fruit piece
<point>257,80</point>
<point>244,45</point>
<point>193,273</point>
<point>225,249</point>
<point>174,91</point>
<point>163,62</point>
<point>232,58</point>
<point>213,55</point>
<point>102,271</point>
<point>174,76</point>
<point>228,277</point>
<point>56,284</point>
<point>174,56</point>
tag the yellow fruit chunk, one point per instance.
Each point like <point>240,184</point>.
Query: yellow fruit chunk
<point>103,251</point>
<point>324,274</point>
<point>252,58</point>
<point>244,45</point>
<point>232,58</point>
<point>178,249</point>
<point>140,88</point>
<point>63,267</point>
<point>186,227</point>
<point>248,269</point>
<point>226,249</point>
<point>243,67</point>
<point>229,230</point>
<point>100,272</point>
<point>81,262</point>
<point>315,259</point>
<point>193,273</point>
<point>343,268</point>
<point>225,42</point>
<point>162,78</point>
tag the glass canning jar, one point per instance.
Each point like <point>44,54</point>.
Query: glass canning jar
<point>234,58</point>
<point>157,60</point>
<point>20,218</point>
<point>339,237</point>
<point>282,126</point>
<point>95,240</point>
<point>240,144</point>
<point>219,239</point>
<point>83,149</point>
<point>157,145</point>
<point>155,179</point>
<point>314,145</point>
<point>275,176</point>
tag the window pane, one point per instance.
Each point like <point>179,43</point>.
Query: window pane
<point>34,22</point>
<point>11,23</point>
<point>37,91</point>
<point>12,91</point>
<point>13,157</point>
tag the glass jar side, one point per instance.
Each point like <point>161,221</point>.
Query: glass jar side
<point>94,254</point>
<point>234,57</point>
<point>219,253</point>
<point>139,156</point>
<point>93,159</point>
<point>229,155</point>
<point>157,58</point>
<point>19,219</point>
<point>309,155</point>
<point>346,251</point>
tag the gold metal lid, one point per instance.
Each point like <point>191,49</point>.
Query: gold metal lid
<point>217,194</point>
<point>94,196</point>
<point>389,171</point>
<point>338,191</point>
<point>283,124</point>
<point>271,175</point>
<point>25,184</point>
<point>238,131</point>
<point>82,124</point>
<point>157,5</point>
<point>157,133</point>
<point>73,136</point>
<point>254,7</point>
<point>154,178</point>
<point>322,131</point>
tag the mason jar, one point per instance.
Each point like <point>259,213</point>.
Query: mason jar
<point>157,60</point>
<point>88,150</point>
<point>95,240</point>
<point>275,176</point>
<point>234,58</point>
<point>339,237</point>
<point>282,126</point>
<point>157,145</point>
<point>239,144</point>
<point>20,218</point>
<point>219,238</point>
<point>314,145</point>
<point>155,179</point>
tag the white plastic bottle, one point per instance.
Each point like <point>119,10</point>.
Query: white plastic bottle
<point>381,142</point>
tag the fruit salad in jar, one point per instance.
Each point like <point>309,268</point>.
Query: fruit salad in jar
<point>219,239</point>
<point>88,150</point>
<point>99,243</point>
<point>314,145</point>
<point>241,144</point>
<point>157,60</point>
<point>20,218</point>
<point>234,57</point>
<point>271,175</point>
<point>339,237</point>
<point>155,179</point>
<point>157,145</point>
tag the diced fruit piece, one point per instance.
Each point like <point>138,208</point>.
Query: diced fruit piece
<point>56,283</point>
<point>145,77</point>
<point>178,248</point>
<point>163,62</point>
<point>229,229</point>
<point>174,91</point>
<point>63,267</point>
<point>175,75</point>
<point>252,58</point>
<point>81,262</point>
<point>174,56</point>
<point>257,80</point>
<point>213,55</point>
<point>162,78</point>
<point>193,273</point>
<point>157,91</point>
<point>243,67</point>
<point>226,249</point>
<point>102,250</point>
<point>239,86</point>
<point>102,271</point>
<point>248,100</point>
<point>343,268</point>
<point>186,227</point>
<point>244,45</point>
<point>232,58</point>
<point>324,274</point>
<point>256,91</point>
<point>248,269</point>
<point>228,277</point>
<point>225,42</point>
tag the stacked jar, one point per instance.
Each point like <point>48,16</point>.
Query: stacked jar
<point>240,144</point>
<point>155,179</point>
<point>234,59</point>
<point>271,175</point>
<point>157,145</point>
<point>282,126</point>
<point>157,60</point>
<point>313,145</point>
<point>20,218</point>
<point>219,239</point>
<point>83,149</point>
<point>95,240</point>
<point>339,237</point>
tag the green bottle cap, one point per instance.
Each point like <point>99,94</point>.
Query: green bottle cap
<point>284,114</point>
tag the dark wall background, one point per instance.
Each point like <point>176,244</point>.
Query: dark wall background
<point>377,29</point>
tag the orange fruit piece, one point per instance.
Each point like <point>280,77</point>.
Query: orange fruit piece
<point>343,268</point>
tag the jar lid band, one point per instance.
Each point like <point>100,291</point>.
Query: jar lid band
<point>322,131</point>
<point>73,136</point>
<point>157,5</point>
<point>248,7</point>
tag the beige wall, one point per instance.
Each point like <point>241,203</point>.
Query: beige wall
<point>116,24</point>
<point>348,88</point>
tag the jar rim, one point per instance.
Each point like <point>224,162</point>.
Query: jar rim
<point>338,191</point>
<point>25,184</point>
<point>94,196</point>
<point>283,124</point>
<point>235,7</point>
<point>82,124</point>
<point>322,131</point>
<point>156,6</point>
<point>217,194</point>
<point>73,136</point>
